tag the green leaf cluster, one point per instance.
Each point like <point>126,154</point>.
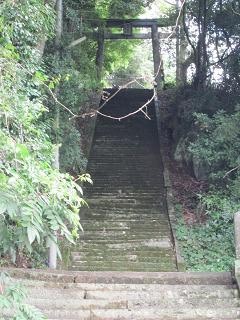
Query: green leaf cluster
<point>37,202</point>
<point>218,143</point>
<point>13,301</point>
<point>209,246</point>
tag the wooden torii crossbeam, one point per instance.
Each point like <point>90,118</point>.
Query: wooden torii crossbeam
<point>136,23</point>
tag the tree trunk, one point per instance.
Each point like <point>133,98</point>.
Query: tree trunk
<point>56,165</point>
<point>157,60</point>
<point>42,43</point>
<point>181,52</point>
<point>100,53</point>
<point>201,52</point>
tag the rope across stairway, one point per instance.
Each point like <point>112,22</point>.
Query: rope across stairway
<point>126,227</point>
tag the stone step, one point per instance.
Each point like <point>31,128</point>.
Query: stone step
<point>123,215</point>
<point>90,257</point>
<point>183,282</point>
<point>144,253</point>
<point>142,246</point>
<point>120,231</point>
<point>148,313</point>
<point>129,214</point>
<point>123,227</point>
<point>122,194</point>
<point>153,313</point>
<point>124,268</point>
<point>143,240</point>
<point>125,189</point>
<point>126,206</point>
<point>77,304</point>
<point>119,237</point>
<point>122,200</point>
<point>128,200</point>
<point>123,176</point>
<point>132,292</point>
<point>88,302</point>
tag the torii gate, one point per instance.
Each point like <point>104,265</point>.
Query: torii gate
<point>127,27</point>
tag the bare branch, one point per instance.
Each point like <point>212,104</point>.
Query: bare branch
<point>230,171</point>
<point>76,42</point>
<point>58,102</point>
<point>235,12</point>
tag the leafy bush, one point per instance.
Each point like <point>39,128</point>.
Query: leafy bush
<point>210,246</point>
<point>215,142</point>
<point>218,141</point>
<point>13,301</point>
<point>37,202</point>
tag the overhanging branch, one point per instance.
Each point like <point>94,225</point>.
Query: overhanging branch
<point>76,42</point>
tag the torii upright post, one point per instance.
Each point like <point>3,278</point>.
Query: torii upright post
<point>100,53</point>
<point>158,68</point>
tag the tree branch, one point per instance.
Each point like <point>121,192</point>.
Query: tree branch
<point>76,42</point>
<point>230,171</point>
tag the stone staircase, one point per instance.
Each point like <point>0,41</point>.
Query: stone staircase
<point>135,296</point>
<point>126,227</point>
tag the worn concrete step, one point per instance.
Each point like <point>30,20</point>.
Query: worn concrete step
<point>134,168</point>
<point>122,194</point>
<point>131,224</point>
<point>88,302</point>
<point>125,268</point>
<point>134,293</point>
<point>125,232</point>
<point>139,164</point>
<point>146,314</point>
<point>120,217</point>
<point>136,247</point>
<point>144,253</point>
<point>151,202</point>
<point>125,214</point>
<point>147,181</point>
<point>143,213</point>
<point>76,304</point>
<point>119,237</point>
<point>120,209</point>
<point>123,227</point>
<point>170,295</point>
<point>127,239</point>
<point>175,282</point>
<point>147,194</point>
<point>127,188</point>
<point>89,257</point>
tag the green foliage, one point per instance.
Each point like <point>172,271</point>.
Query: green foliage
<point>218,144</point>
<point>13,301</point>
<point>213,137</point>
<point>74,86</point>
<point>118,55</point>
<point>37,202</point>
<point>25,24</point>
<point>209,246</point>
<point>120,8</point>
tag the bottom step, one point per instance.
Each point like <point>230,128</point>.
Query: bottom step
<point>147,314</point>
